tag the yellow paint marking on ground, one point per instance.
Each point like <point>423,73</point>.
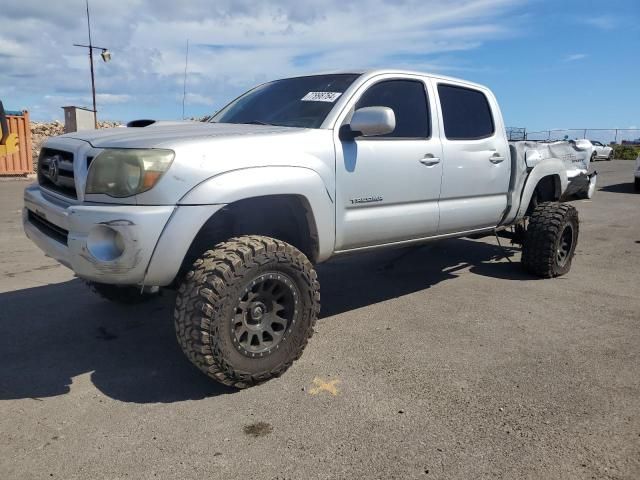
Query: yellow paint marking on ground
<point>330,386</point>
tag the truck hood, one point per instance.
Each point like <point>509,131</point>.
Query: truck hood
<point>167,134</point>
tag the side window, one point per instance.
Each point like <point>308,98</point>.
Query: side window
<point>408,100</point>
<point>466,113</point>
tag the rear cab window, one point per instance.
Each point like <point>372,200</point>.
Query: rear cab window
<point>466,113</point>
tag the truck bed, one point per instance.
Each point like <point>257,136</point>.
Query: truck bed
<point>575,154</point>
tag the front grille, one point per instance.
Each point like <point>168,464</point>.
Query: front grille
<point>55,171</point>
<point>48,228</point>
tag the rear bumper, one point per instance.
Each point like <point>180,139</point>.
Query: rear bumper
<point>583,185</point>
<point>104,243</point>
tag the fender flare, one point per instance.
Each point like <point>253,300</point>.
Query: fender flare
<point>545,168</point>
<point>207,198</point>
<point>252,182</point>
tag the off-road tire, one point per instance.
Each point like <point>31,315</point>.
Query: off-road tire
<point>208,300</point>
<point>545,237</point>
<point>124,294</point>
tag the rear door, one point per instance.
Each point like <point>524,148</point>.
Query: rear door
<point>476,167</point>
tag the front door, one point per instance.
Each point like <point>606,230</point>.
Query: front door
<point>388,186</point>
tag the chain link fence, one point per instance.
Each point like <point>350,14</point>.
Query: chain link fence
<point>625,141</point>
<point>620,136</point>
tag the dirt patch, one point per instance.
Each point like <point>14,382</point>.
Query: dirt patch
<point>258,429</point>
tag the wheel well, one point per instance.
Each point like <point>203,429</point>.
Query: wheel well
<point>548,189</point>
<point>285,217</point>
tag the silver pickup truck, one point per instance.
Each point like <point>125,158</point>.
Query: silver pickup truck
<point>235,212</point>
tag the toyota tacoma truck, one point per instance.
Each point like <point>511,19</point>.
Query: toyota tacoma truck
<point>234,213</point>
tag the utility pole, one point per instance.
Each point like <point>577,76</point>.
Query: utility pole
<point>106,56</point>
<point>93,77</point>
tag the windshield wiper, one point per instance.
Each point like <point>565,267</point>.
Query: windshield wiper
<point>257,122</point>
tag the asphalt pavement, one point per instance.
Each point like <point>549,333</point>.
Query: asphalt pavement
<point>444,361</point>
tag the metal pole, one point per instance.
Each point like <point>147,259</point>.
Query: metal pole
<point>184,85</point>
<point>93,90</point>
<point>93,78</point>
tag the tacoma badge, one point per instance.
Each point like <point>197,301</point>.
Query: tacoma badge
<point>375,198</point>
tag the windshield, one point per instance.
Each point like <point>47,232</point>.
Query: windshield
<point>292,102</point>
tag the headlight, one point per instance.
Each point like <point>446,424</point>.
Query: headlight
<point>123,172</point>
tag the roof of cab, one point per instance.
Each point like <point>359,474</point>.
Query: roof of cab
<point>368,73</point>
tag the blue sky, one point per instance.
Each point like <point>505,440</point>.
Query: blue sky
<point>552,64</point>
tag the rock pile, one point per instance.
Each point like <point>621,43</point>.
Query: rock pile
<point>41,131</point>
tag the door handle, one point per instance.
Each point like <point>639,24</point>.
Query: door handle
<point>429,160</point>
<point>496,158</point>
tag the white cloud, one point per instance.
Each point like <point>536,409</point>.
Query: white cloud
<point>197,99</point>
<point>575,57</point>
<point>234,45</point>
<point>602,22</point>
<point>112,98</point>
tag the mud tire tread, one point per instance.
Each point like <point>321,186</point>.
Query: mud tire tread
<point>546,224</point>
<point>207,289</point>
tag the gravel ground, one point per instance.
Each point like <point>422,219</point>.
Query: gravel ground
<point>444,362</point>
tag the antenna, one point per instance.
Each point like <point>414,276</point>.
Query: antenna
<point>184,85</point>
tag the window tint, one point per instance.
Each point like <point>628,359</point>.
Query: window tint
<point>408,100</point>
<point>291,102</point>
<point>466,113</point>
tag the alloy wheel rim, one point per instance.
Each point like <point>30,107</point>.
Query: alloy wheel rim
<point>265,314</point>
<point>565,246</point>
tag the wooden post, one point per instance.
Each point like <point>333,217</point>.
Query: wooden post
<point>29,145</point>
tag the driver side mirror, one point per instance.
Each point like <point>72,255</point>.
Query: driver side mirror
<point>370,121</point>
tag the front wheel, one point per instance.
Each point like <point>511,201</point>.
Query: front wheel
<point>550,240</point>
<point>245,311</point>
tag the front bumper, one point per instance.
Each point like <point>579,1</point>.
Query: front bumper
<point>104,243</point>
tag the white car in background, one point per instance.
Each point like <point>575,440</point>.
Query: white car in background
<point>637,174</point>
<point>600,150</point>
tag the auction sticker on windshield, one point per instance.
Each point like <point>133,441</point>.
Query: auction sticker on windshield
<point>321,97</point>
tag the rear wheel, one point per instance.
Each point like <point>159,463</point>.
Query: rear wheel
<point>551,239</point>
<point>610,157</point>
<point>594,157</point>
<point>246,310</point>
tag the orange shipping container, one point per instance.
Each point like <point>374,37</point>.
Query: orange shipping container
<point>20,163</point>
